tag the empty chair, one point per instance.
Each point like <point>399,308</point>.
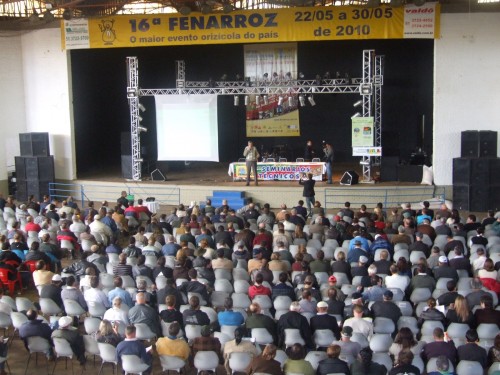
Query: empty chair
<point>405,307</point>
<point>132,364</point>
<point>18,319</point>
<point>323,338</point>
<point>380,342</point>
<point>383,325</point>
<point>263,301</point>
<point>222,273</point>
<point>222,285</point>
<point>321,277</point>
<point>49,307</point>
<point>241,286</point>
<point>487,333</point>
<point>457,330</point>
<point>469,367</point>
<point>171,363</point>
<point>206,361</point>
<point>228,330</point>
<point>341,278</point>
<point>314,357</point>
<point>73,308</point>
<point>282,303</point>
<point>107,352</point>
<point>240,274</point>
<point>91,325</point>
<point>314,243</point>
<point>37,344</point>
<point>217,299</point>
<point>62,349</point>
<point>91,346</point>
<point>239,361</point>
<point>24,304</point>
<point>293,336</point>
<point>429,326</point>
<point>409,322</point>
<point>240,300</point>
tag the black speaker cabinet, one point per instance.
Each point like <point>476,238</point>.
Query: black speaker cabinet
<point>127,166</point>
<point>126,143</point>
<point>470,144</point>
<point>349,178</point>
<point>156,175</point>
<point>36,188</point>
<point>410,173</point>
<point>34,144</point>
<point>471,197</point>
<point>488,144</point>
<point>471,171</point>
<point>31,168</point>
<point>389,168</point>
<point>495,173</point>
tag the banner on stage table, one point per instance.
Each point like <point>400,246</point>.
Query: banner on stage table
<point>362,131</point>
<point>367,151</point>
<point>254,26</point>
<point>280,171</point>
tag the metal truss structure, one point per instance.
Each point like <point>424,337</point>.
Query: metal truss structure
<point>369,87</point>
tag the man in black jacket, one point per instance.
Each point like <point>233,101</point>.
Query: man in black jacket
<point>308,191</point>
<point>386,308</point>
<point>53,291</point>
<point>332,364</point>
<point>324,321</point>
<point>34,327</point>
<point>471,351</point>
<point>293,319</point>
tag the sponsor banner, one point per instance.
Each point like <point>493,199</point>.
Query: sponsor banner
<point>367,151</point>
<point>256,26</point>
<point>273,119</point>
<point>279,171</point>
<point>362,131</point>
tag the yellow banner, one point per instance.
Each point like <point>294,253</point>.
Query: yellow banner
<point>254,26</point>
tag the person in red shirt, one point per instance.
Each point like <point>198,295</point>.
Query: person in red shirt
<point>140,208</point>
<point>31,226</point>
<point>257,288</point>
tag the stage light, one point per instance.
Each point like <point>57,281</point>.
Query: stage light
<point>311,100</point>
<point>301,75</point>
<point>266,100</point>
<point>67,14</point>
<point>257,99</point>
<point>142,129</point>
<point>185,10</point>
<point>238,77</point>
<point>265,76</point>
<point>227,8</point>
<point>139,160</point>
<point>358,103</point>
<point>290,101</point>
<point>275,76</point>
<point>48,16</point>
<point>288,76</point>
<point>205,9</point>
<point>364,162</point>
<point>317,80</point>
<point>223,77</point>
<point>419,3</point>
<point>142,108</point>
<point>211,82</point>
<point>140,118</point>
<point>34,17</point>
<point>247,100</point>
<point>357,114</point>
<point>327,75</point>
<point>337,75</point>
<point>236,100</point>
<point>365,89</point>
<point>280,100</point>
<point>302,100</point>
<point>248,82</point>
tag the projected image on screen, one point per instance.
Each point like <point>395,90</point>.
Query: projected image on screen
<point>186,126</point>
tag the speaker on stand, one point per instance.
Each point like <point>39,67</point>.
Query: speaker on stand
<point>156,175</point>
<point>349,178</point>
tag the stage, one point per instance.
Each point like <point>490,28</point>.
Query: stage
<point>198,180</point>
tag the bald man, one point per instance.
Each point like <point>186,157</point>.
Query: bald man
<point>142,313</point>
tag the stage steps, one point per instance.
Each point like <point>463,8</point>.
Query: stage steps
<point>235,199</point>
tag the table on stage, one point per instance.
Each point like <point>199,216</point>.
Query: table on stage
<point>281,171</point>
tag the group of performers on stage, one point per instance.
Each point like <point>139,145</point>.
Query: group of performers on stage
<point>252,155</point>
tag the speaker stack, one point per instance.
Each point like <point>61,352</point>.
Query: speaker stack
<point>476,178</point>
<point>35,166</point>
<point>126,148</point>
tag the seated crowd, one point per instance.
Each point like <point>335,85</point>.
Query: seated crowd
<point>257,291</point>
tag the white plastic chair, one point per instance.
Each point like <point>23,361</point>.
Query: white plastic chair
<point>132,364</point>
<point>91,325</point>
<point>323,338</point>
<point>171,363</point>
<point>314,357</point>
<point>192,331</point>
<point>143,332</point>
<point>293,336</point>
<point>37,344</point>
<point>91,346</point>
<point>107,353</point>
<point>73,308</point>
<point>62,349</point>
<point>380,342</point>
<point>383,325</point>
<point>24,304</point>
<point>49,307</point>
<point>262,336</point>
<point>206,361</point>
<point>239,361</point>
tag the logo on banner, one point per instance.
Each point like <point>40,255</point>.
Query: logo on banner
<point>108,33</point>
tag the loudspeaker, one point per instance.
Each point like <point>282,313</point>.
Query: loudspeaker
<point>494,198</point>
<point>31,168</point>
<point>35,188</point>
<point>495,172</point>
<point>389,168</point>
<point>471,171</point>
<point>488,143</point>
<point>156,175</point>
<point>470,144</point>
<point>127,166</point>
<point>126,143</point>
<point>34,144</point>
<point>410,173</point>
<point>471,197</point>
<point>349,178</point>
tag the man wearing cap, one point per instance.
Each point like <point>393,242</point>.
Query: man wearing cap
<point>293,319</point>
<point>332,283</point>
<point>386,308</point>
<point>395,280</point>
<point>53,291</point>
<point>363,242</point>
<point>444,270</point>
<point>361,268</point>
<point>419,245</point>
<point>322,320</point>
<point>349,348</point>
<point>356,252</point>
<point>72,336</point>
<point>358,323</point>
<point>256,262</point>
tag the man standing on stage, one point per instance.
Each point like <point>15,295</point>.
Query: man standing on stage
<point>329,162</point>
<point>308,192</point>
<point>309,152</point>
<point>251,155</point>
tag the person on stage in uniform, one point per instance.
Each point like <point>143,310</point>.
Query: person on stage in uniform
<point>308,192</point>
<point>251,156</point>
<point>309,152</point>
<point>329,162</point>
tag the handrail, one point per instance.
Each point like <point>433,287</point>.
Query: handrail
<point>165,195</point>
<point>389,197</point>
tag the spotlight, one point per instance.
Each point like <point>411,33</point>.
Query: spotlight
<point>211,82</point>
<point>275,76</point>
<point>266,100</point>
<point>327,75</point>
<point>140,118</point>
<point>358,103</point>
<point>67,15</point>
<point>248,83</point>
<point>419,3</point>
<point>357,114</point>
<point>185,10</point>
<point>301,75</point>
<point>365,89</point>
<point>280,100</point>
<point>238,77</point>
<point>142,108</point>
<point>34,17</point>
<point>288,76</point>
<point>247,100</point>
<point>236,100</point>
<point>227,8</point>
<point>337,75</point>
<point>257,100</point>
<point>311,100</point>
<point>224,77</point>
<point>205,9</point>
<point>265,76</point>
<point>365,162</point>
<point>302,100</point>
<point>317,80</point>
<point>142,129</point>
<point>48,16</point>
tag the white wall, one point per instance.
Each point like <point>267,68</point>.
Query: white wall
<point>12,113</point>
<point>47,88</point>
<point>466,84</point>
